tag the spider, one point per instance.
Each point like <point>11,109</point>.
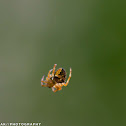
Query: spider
<point>56,80</point>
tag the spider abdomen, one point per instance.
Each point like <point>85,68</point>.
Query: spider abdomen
<point>60,75</point>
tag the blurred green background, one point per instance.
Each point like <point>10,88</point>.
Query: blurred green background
<point>88,36</point>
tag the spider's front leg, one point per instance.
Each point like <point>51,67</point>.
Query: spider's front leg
<point>42,81</point>
<point>65,84</point>
<point>57,87</point>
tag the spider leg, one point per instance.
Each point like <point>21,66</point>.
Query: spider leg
<point>57,87</point>
<point>42,81</point>
<point>54,89</point>
<point>49,73</point>
<point>65,84</point>
<point>53,70</point>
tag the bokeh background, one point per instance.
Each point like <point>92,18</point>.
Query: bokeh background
<point>87,35</point>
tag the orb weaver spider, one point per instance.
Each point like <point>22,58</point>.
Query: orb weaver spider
<point>56,80</point>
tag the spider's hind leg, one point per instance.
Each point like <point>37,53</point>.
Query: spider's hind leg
<point>49,75</point>
<point>65,84</point>
<point>53,69</point>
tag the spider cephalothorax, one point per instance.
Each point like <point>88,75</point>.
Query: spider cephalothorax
<point>56,80</point>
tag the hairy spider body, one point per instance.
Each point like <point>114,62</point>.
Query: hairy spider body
<point>56,80</point>
<point>60,75</point>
